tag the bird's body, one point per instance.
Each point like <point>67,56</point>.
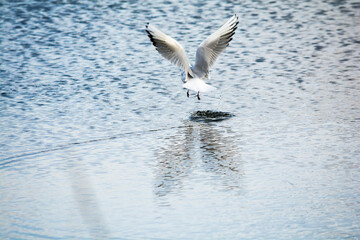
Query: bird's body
<point>194,76</point>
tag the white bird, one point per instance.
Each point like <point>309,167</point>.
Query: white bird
<point>206,54</point>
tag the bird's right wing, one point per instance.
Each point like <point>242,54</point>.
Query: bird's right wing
<point>168,47</point>
<point>215,44</point>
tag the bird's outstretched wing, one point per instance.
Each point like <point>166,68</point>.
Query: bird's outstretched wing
<point>168,47</point>
<point>215,44</point>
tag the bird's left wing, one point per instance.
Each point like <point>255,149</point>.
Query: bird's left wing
<point>215,44</point>
<point>168,47</point>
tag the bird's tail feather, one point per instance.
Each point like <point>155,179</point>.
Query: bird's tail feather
<point>198,85</point>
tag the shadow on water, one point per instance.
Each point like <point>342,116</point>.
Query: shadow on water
<point>199,147</point>
<point>210,116</point>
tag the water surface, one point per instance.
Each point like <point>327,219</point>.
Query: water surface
<point>99,141</point>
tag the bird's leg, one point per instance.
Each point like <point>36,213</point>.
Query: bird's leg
<point>187,93</point>
<point>198,96</point>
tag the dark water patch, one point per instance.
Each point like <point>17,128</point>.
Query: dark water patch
<point>4,94</point>
<point>318,47</point>
<point>299,80</point>
<point>260,59</point>
<point>355,5</point>
<point>210,116</point>
<point>338,2</point>
<point>288,17</point>
<point>321,12</point>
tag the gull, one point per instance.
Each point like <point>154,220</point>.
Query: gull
<point>206,54</point>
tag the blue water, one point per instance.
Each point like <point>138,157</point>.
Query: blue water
<point>99,141</point>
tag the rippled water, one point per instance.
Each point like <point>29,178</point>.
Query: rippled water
<point>98,139</point>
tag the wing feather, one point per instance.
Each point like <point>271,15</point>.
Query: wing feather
<point>168,47</point>
<point>210,49</point>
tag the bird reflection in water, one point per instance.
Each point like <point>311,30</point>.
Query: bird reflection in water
<point>198,146</point>
<point>85,197</point>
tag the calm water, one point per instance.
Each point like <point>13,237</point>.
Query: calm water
<point>99,141</point>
